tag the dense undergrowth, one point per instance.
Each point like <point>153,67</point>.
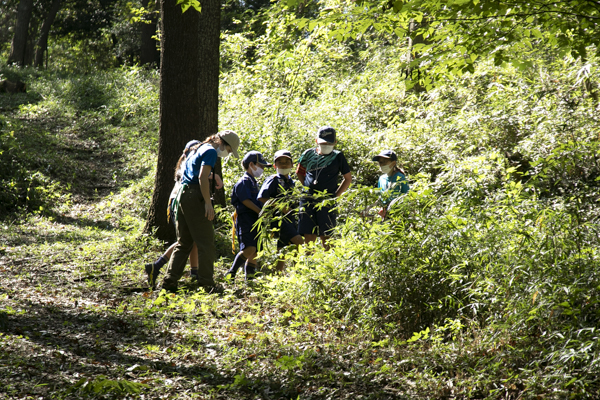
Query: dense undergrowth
<point>483,283</point>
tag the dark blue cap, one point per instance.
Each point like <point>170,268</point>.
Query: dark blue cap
<point>386,154</point>
<point>283,153</point>
<point>255,157</point>
<point>191,143</point>
<point>326,134</point>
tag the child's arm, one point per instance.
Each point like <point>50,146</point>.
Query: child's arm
<point>346,181</point>
<point>301,173</point>
<point>251,205</point>
<point>218,181</point>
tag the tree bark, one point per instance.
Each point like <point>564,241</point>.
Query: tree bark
<point>149,52</point>
<point>189,90</point>
<point>179,117</point>
<point>209,38</point>
<point>19,43</point>
<point>42,43</point>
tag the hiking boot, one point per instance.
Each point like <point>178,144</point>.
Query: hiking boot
<point>213,289</point>
<point>169,288</point>
<point>152,273</point>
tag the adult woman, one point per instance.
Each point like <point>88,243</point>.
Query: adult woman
<point>393,182</point>
<point>194,212</point>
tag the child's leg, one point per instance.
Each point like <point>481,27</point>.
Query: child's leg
<point>194,261</point>
<point>309,238</point>
<point>169,252</point>
<point>307,222</point>
<point>280,266</point>
<point>239,261</point>
<point>297,240</point>
<point>153,269</point>
<point>250,267</point>
<point>324,242</point>
<point>327,220</point>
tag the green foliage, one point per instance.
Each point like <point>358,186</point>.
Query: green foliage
<point>113,111</point>
<point>481,283</point>
<point>497,231</point>
<point>444,39</point>
<point>101,385</point>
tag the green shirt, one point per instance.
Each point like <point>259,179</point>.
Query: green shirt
<point>392,186</point>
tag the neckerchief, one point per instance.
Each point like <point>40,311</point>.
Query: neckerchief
<point>313,161</point>
<point>177,199</point>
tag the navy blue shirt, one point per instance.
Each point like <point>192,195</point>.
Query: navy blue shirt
<point>322,170</point>
<point>275,186</point>
<point>204,155</point>
<point>245,189</point>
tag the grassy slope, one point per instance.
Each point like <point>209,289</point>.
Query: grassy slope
<point>73,325</point>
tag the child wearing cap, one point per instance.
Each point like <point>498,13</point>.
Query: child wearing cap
<point>393,182</point>
<point>194,212</point>
<point>318,169</point>
<point>247,207</point>
<point>275,187</point>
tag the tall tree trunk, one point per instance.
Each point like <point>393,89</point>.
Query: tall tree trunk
<point>19,42</point>
<point>179,105</point>
<point>209,38</point>
<point>42,44</point>
<point>189,94</point>
<point>149,53</point>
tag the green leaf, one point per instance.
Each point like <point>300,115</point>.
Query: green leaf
<point>186,4</point>
<point>570,382</point>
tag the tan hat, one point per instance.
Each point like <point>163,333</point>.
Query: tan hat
<point>232,139</point>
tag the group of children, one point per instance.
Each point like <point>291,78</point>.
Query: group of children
<point>318,170</point>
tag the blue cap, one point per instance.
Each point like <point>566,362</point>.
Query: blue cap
<point>255,157</point>
<point>191,143</point>
<point>386,154</point>
<point>326,134</point>
<point>283,153</point>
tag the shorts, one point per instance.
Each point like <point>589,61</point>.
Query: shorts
<point>287,230</point>
<point>246,232</point>
<point>316,219</point>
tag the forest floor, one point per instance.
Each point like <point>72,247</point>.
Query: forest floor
<point>75,323</point>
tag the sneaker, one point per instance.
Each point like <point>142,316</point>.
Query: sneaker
<point>152,273</point>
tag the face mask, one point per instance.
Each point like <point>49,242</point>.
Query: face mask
<point>284,171</point>
<point>385,168</point>
<point>257,172</point>
<point>222,152</point>
<point>325,148</point>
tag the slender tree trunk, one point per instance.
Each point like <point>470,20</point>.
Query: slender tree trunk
<point>209,38</point>
<point>179,116</point>
<point>42,43</point>
<point>149,52</point>
<point>415,73</point>
<point>19,42</point>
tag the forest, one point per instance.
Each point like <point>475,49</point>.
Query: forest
<point>482,282</point>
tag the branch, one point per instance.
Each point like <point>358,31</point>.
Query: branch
<point>515,15</point>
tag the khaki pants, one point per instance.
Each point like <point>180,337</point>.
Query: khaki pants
<point>192,226</point>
